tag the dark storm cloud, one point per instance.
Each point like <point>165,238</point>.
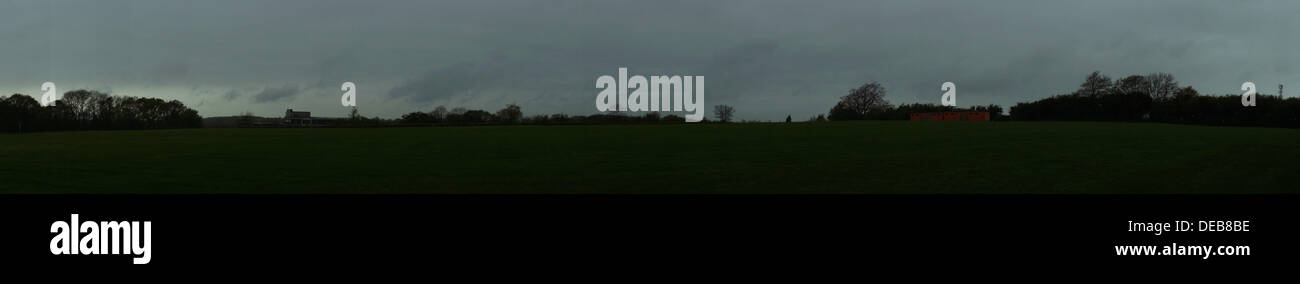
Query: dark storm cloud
<point>275,94</point>
<point>768,58</point>
<point>232,95</point>
<point>448,81</point>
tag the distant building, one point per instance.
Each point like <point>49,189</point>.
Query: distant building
<point>303,118</point>
<point>951,116</point>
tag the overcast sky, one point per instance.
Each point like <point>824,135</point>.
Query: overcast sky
<point>766,58</point>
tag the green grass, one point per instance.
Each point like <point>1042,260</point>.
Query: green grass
<point>857,157</point>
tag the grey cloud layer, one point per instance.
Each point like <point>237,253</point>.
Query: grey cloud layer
<point>766,58</point>
<point>276,94</point>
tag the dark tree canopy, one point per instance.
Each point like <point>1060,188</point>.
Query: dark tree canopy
<point>1157,97</point>
<point>860,102</point>
<point>1131,84</point>
<point>512,113</point>
<point>866,98</point>
<point>1160,85</point>
<point>92,110</point>
<point>1095,85</point>
<point>724,113</point>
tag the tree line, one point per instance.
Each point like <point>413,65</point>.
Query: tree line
<point>1157,97</point>
<point>93,110</point>
<point>513,114</point>
<point>867,102</point>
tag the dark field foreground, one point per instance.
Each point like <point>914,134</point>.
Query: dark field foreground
<point>858,157</point>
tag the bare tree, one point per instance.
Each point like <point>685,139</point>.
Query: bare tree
<point>723,112</point>
<point>866,98</point>
<point>1130,84</point>
<point>1095,84</point>
<point>511,114</point>
<point>1161,85</point>
<point>438,113</point>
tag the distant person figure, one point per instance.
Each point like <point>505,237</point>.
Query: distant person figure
<point>787,118</point>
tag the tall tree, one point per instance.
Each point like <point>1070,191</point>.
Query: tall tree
<point>1131,84</point>
<point>865,99</point>
<point>1161,85</point>
<point>511,114</point>
<point>723,112</point>
<point>18,112</point>
<point>1095,84</point>
<point>438,114</point>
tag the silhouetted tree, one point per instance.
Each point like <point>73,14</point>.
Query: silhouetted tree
<point>860,101</point>
<point>723,112</point>
<point>1131,84</point>
<point>91,110</point>
<point>438,114</point>
<point>1160,85</point>
<point>19,113</point>
<point>477,116</point>
<point>417,117</point>
<point>1095,85</point>
<point>512,113</point>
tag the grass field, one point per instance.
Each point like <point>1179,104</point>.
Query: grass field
<point>854,157</point>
